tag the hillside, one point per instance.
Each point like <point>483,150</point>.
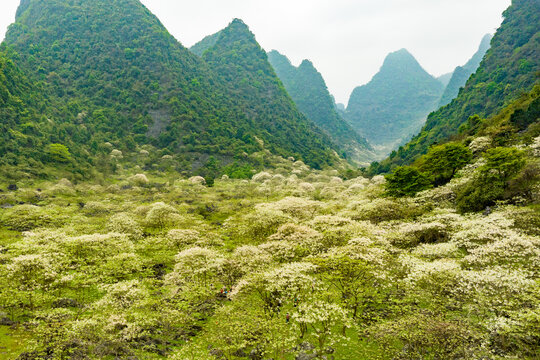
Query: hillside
<point>509,69</point>
<point>308,90</point>
<point>462,73</point>
<point>127,83</point>
<point>393,106</point>
<point>243,67</point>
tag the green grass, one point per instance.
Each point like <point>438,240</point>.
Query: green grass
<point>12,342</point>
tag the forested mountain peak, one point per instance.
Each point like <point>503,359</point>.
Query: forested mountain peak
<point>243,67</point>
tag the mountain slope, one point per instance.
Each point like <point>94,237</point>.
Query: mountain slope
<point>243,66</point>
<point>308,89</point>
<point>113,74</point>
<point>509,69</point>
<point>462,73</point>
<point>394,104</point>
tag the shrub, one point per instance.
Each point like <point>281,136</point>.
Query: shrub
<point>138,180</point>
<point>25,217</point>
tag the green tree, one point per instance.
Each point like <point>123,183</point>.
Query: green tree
<point>58,153</point>
<point>443,161</point>
<point>502,165</point>
<point>406,181</point>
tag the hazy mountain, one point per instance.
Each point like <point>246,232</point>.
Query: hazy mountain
<point>462,73</point>
<point>445,78</point>
<point>510,68</point>
<point>395,103</point>
<point>308,89</point>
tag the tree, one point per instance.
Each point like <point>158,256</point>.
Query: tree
<point>58,153</point>
<point>502,165</point>
<point>321,317</point>
<point>406,181</point>
<point>443,161</point>
<point>351,277</point>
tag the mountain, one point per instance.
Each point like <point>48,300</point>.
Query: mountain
<point>393,106</point>
<point>205,44</point>
<point>308,89</point>
<point>509,69</point>
<point>113,75</point>
<point>243,66</point>
<point>445,78</point>
<point>462,73</point>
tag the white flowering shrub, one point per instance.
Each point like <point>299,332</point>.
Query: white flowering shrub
<point>514,250</point>
<point>294,206</point>
<point>196,264</point>
<point>25,217</point>
<point>117,154</point>
<point>161,215</point>
<point>280,251</point>
<point>94,208</point>
<point>198,180</point>
<point>138,180</point>
<point>122,295</point>
<point>321,318</point>
<point>261,177</point>
<point>480,144</point>
<point>125,223</point>
<point>260,223</point>
<point>305,240</point>
<point>306,187</point>
<point>437,251</point>
<point>181,237</point>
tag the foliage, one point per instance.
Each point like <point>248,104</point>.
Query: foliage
<point>443,161</point>
<point>406,181</point>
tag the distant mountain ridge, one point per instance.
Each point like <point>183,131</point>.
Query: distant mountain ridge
<point>462,73</point>
<point>392,107</point>
<point>308,89</point>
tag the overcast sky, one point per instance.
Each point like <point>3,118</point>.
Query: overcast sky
<point>347,40</point>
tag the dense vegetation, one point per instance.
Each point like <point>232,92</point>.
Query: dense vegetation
<point>307,88</point>
<point>509,69</point>
<point>462,73</point>
<point>393,106</point>
<point>294,264</point>
<point>113,78</point>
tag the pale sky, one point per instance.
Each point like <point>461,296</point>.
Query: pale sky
<point>347,40</point>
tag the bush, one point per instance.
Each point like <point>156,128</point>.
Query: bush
<point>25,217</point>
